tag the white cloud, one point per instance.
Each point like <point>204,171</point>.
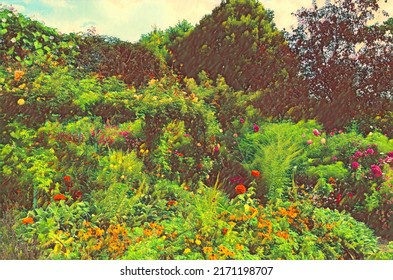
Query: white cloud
<point>56,3</point>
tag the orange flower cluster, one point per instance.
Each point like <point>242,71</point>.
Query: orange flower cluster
<point>265,226</point>
<point>153,228</point>
<point>18,74</point>
<point>240,189</point>
<point>114,240</point>
<point>291,213</point>
<point>283,234</point>
<point>27,220</point>
<point>225,252</point>
<point>59,197</point>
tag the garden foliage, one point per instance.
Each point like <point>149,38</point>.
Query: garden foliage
<point>104,161</point>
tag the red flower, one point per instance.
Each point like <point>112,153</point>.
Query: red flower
<point>255,127</point>
<point>59,197</point>
<point>240,189</point>
<point>67,178</point>
<point>224,231</point>
<point>316,132</point>
<point>338,199</point>
<point>77,195</point>
<point>255,173</point>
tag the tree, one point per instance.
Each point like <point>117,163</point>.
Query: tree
<point>109,56</point>
<point>345,62</point>
<point>158,41</point>
<point>240,42</point>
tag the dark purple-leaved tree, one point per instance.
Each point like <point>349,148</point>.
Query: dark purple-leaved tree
<point>346,62</point>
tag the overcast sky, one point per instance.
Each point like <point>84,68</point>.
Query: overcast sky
<point>129,19</point>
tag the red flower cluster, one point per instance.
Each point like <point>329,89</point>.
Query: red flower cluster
<point>59,197</point>
<point>240,189</point>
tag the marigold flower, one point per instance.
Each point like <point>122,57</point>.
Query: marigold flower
<point>207,250</point>
<point>59,197</point>
<point>187,250</point>
<point>147,232</point>
<point>240,189</point>
<point>172,202</point>
<point>18,74</point>
<point>255,173</point>
<point>67,178</point>
<point>27,220</point>
<point>224,231</point>
<point>21,102</point>
<point>331,180</point>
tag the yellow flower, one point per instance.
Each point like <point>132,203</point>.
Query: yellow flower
<point>187,250</point>
<point>21,101</point>
<point>239,247</point>
<point>22,86</point>
<point>198,242</point>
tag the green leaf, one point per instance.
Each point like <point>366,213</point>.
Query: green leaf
<point>37,45</point>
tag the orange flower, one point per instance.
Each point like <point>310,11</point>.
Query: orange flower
<point>255,173</point>
<point>332,180</point>
<point>224,231</point>
<point>18,74</point>
<point>172,202</point>
<point>59,197</point>
<point>27,220</point>
<point>147,232</point>
<point>240,189</point>
<point>67,178</point>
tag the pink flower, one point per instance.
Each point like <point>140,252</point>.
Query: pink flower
<point>332,133</point>
<point>334,158</point>
<point>370,151</point>
<point>124,133</point>
<point>358,154</point>
<point>309,142</point>
<point>316,132</point>
<point>241,120</point>
<point>256,127</point>
<point>376,170</point>
<point>355,165</point>
<point>390,154</point>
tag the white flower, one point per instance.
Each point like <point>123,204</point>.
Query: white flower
<point>4,20</point>
<point>13,40</point>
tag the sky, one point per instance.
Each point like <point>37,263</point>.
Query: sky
<point>129,19</point>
